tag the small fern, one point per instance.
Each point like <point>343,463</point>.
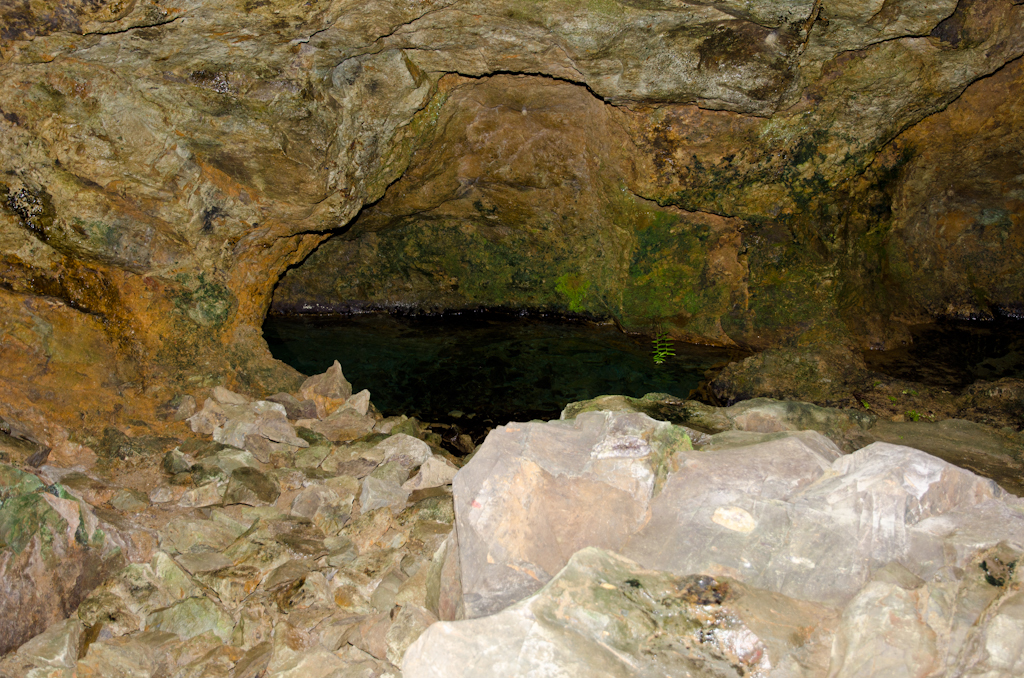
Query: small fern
<point>664,348</point>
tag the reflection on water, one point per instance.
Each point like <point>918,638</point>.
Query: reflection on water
<point>487,366</point>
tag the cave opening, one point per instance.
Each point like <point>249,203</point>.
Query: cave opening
<point>513,268</point>
<point>532,205</point>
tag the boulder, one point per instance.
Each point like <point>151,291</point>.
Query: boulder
<point>380,493</point>
<point>295,408</point>
<point>407,451</point>
<point>535,493</point>
<point>781,516</point>
<point>344,424</point>
<point>54,550</point>
<point>261,418</point>
<point>434,472</point>
<point>328,391</point>
<point>252,487</point>
<point>604,615</point>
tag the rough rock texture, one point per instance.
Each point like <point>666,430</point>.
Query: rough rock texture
<point>885,503</point>
<point>53,551</point>
<point>739,172</point>
<point>529,192</point>
<point>265,568</point>
<point>838,377</point>
<point>783,557</point>
<point>519,500</point>
<point>993,453</point>
<point>604,615</point>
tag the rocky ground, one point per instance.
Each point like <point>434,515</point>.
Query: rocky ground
<point>306,535</point>
<point>839,377</point>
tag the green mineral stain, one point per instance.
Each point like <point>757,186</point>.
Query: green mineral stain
<point>574,288</point>
<point>24,517</point>
<point>209,304</point>
<point>15,482</point>
<point>666,272</point>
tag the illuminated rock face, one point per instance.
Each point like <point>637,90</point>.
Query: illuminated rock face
<point>740,173</point>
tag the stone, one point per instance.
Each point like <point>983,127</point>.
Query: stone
<point>192,617</point>
<point>370,635</point>
<point>267,451</point>
<point>328,509</point>
<point>178,408</point>
<point>252,487</point>
<point>360,402</point>
<point>967,444</point>
<point>206,420</point>
<point>342,425</point>
<point>698,418</point>
<point>296,655</point>
<point>407,451</point>
<point>184,535</point>
<point>824,376</point>
<point>161,495</point>
<point>434,472</point>
<point>380,493</point>
<point>388,424</point>
<point>92,490</point>
<point>536,493</point>
<point>54,649</point>
<point>56,551</point>
<point>295,408</point>
<point>144,655</point>
<point>255,661</point>
<point>847,428</point>
<point>410,623</point>
<point>226,397</point>
<point>260,418</point>
<point>443,592</point>
<point>272,423</point>
<point>328,390</point>
<point>390,471</point>
<point>176,462</point>
<point>208,494</point>
<point>15,482</point>
<point>313,456</point>
<point>884,630</point>
<point>604,615</point>
<point>130,501</point>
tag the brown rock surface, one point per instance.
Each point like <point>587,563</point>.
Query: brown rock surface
<point>163,165</point>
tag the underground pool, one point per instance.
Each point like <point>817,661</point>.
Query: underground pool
<point>485,366</point>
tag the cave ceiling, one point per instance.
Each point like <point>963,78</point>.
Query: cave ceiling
<point>791,167</point>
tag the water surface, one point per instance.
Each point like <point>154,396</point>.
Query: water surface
<point>952,354</point>
<point>484,366</point>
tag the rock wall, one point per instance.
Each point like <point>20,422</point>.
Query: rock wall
<point>743,172</point>
<point>808,217</point>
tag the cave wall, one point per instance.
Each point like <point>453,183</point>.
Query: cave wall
<point>163,164</point>
<point>523,195</point>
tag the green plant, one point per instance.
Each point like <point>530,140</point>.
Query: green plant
<point>664,348</point>
<point>892,398</point>
<point>913,415</point>
<point>866,405</point>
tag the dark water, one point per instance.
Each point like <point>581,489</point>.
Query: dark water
<point>953,354</point>
<point>486,366</point>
